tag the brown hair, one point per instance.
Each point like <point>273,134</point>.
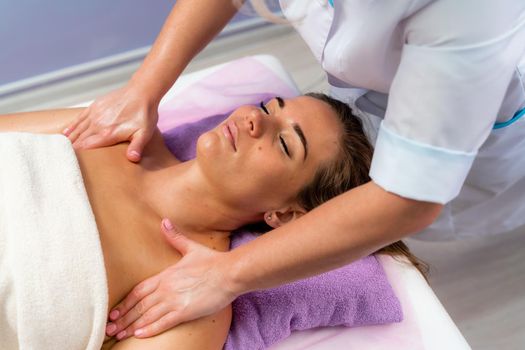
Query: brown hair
<point>349,169</point>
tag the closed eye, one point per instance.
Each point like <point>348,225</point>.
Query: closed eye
<point>281,139</point>
<point>285,147</point>
<point>263,107</point>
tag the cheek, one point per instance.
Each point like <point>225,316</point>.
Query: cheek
<point>270,173</point>
<point>265,162</point>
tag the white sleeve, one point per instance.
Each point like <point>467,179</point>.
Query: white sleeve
<point>442,106</point>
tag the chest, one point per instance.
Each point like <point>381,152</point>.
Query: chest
<point>358,42</point>
<point>128,228</point>
<point>112,185</point>
<point>115,186</point>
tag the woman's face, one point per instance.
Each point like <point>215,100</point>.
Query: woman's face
<point>260,158</point>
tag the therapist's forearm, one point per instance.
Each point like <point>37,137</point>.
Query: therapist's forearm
<point>340,231</point>
<point>190,26</point>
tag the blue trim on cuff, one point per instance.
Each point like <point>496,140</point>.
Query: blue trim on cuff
<point>416,170</point>
<point>516,116</point>
<point>331,2</point>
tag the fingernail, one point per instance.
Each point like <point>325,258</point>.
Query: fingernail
<point>167,224</point>
<point>138,332</point>
<point>135,154</point>
<point>111,328</point>
<point>65,131</point>
<point>121,335</point>
<point>113,315</point>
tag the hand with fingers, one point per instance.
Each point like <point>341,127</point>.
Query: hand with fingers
<point>126,114</point>
<point>194,287</point>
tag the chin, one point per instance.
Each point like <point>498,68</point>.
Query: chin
<point>209,145</point>
<point>217,164</point>
<point>210,154</point>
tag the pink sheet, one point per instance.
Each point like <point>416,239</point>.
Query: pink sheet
<point>244,81</point>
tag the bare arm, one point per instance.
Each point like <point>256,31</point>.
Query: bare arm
<point>41,122</point>
<point>338,232</point>
<point>188,29</point>
<point>130,113</point>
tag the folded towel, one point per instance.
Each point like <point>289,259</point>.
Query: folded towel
<point>357,294</point>
<point>53,290</point>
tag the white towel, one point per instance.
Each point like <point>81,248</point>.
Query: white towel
<point>53,289</point>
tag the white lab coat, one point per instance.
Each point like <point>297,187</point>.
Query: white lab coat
<point>430,79</point>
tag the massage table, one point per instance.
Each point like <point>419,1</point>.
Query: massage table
<point>426,324</point>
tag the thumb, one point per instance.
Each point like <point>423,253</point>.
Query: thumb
<point>176,238</point>
<point>136,146</point>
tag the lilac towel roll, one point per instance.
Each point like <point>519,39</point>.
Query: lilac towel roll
<point>357,294</point>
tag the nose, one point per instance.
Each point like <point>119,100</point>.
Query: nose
<point>255,122</point>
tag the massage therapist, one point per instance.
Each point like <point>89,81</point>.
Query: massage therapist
<point>437,82</point>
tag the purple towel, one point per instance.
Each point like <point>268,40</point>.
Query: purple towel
<point>182,140</point>
<point>355,295</point>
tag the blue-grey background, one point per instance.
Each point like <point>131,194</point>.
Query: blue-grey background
<point>41,36</point>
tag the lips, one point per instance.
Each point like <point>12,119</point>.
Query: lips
<point>230,131</point>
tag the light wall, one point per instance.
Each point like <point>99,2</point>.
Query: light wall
<point>43,36</point>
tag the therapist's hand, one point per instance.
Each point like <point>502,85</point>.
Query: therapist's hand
<point>126,114</point>
<point>196,286</point>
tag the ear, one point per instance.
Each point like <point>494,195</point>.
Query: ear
<point>277,218</point>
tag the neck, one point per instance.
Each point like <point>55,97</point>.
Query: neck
<point>179,192</point>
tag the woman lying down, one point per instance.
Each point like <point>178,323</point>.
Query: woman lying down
<point>82,228</point>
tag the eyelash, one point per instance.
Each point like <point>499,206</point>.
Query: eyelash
<point>284,146</point>
<point>263,107</point>
<point>283,143</point>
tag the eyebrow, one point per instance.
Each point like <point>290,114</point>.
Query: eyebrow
<point>296,127</point>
